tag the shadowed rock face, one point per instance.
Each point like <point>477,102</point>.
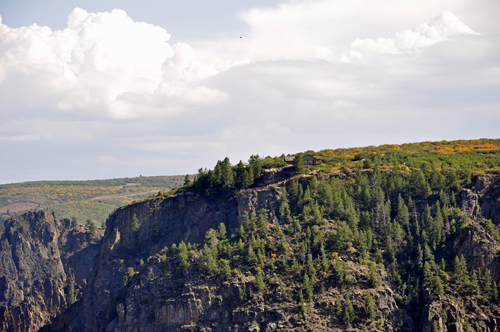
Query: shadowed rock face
<point>154,301</point>
<point>32,277</point>
<point>32,274</point>
<point>163,221</point>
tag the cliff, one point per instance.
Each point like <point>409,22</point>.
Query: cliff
<point>134,284</point>
<point>163,221</point>
<point>32,273</point>
<point>159,296</point>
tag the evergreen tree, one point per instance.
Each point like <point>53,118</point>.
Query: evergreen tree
<point>224,268</point>
<point>134,228</point>
<point>461,273</point>
<point>338,307</point>
<point>313,184</point>
<point>183,256</point>
<point>251,259</point>
<point>370,305</point>
<point>308,287</point>
<point>403,216</point>
<point>339,272</point>
<point>221,231</point>
<point>248,178</point>
<point>262,223</point>
<point>349,315</point>
<point>372,275</point>
<point>227,179</point>
<point>259,280</point>
<point>298,163</point>
<point>71,293</point>
<point>487,284</point>
<point>92,226</point>
<point>242,293</point>
<point>256,165</point>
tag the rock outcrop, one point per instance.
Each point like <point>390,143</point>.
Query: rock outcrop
<point>127,286</point>
<point>156,300</point>
<point>487,187</point>
<point>34,251</point>
<point>163,221</point>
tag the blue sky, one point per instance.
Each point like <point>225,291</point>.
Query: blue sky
<point>106,89</point>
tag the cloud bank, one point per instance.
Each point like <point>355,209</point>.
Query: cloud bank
<point>109,97</point>
<point>101,65</point>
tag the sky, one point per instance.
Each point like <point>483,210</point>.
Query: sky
<point>109,89</point>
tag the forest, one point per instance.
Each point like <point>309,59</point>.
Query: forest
<point>394,208</point>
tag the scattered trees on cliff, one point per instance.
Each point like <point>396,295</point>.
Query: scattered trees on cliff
<point>398,220</point>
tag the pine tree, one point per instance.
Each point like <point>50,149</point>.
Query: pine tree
<point>259,280</point>
<point>373,275</point>
<point>71,293</point>
<point>313,184</point>
<point>225,268</point>
<point>298,163</point>
<point>242,292</point>
<point>310,265</point>
<point>262,223</point>
<point>324,260</point>
<point>307,287</point>
<point>474,283</point>
<point>338,307</point>
<point>248,178</point>
<point>183,256</point>
<point>241,247</point>
<point>349,315</point>
<point>251,259</point>
<point>339,272</point>
<point>461,273</point>
<point>295,267</point>
<point>487,284</point>
<point>221,231</point>
<point>134,228</point>
<point>370,305</point>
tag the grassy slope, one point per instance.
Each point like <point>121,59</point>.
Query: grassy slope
<point>94,199</point>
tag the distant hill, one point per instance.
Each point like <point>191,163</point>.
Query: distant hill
<point>94,199</point>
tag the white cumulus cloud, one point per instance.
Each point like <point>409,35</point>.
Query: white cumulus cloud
<point>101,64</point>
<point>441,28</point>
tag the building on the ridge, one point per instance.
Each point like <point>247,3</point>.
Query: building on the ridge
<point>310,160</point>
<point>289,160</point>
<point>307,159</point>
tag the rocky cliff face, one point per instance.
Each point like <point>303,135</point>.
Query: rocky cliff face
<point>32,273</point>
<point>184,301</point>
<point>163,221</point>
<point>468,311</point>
<point>157,300</point>
<point>32,277</point>
<point>471,311</point>
<point>487,189</point>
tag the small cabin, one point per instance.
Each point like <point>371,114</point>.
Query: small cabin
<point>289,160</point>
<point>310,160</point>
<point>307,159</point>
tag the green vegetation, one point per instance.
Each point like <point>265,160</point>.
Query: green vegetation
<point>94,199</point>
<point>71,293</point>
<point>397,219</point>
